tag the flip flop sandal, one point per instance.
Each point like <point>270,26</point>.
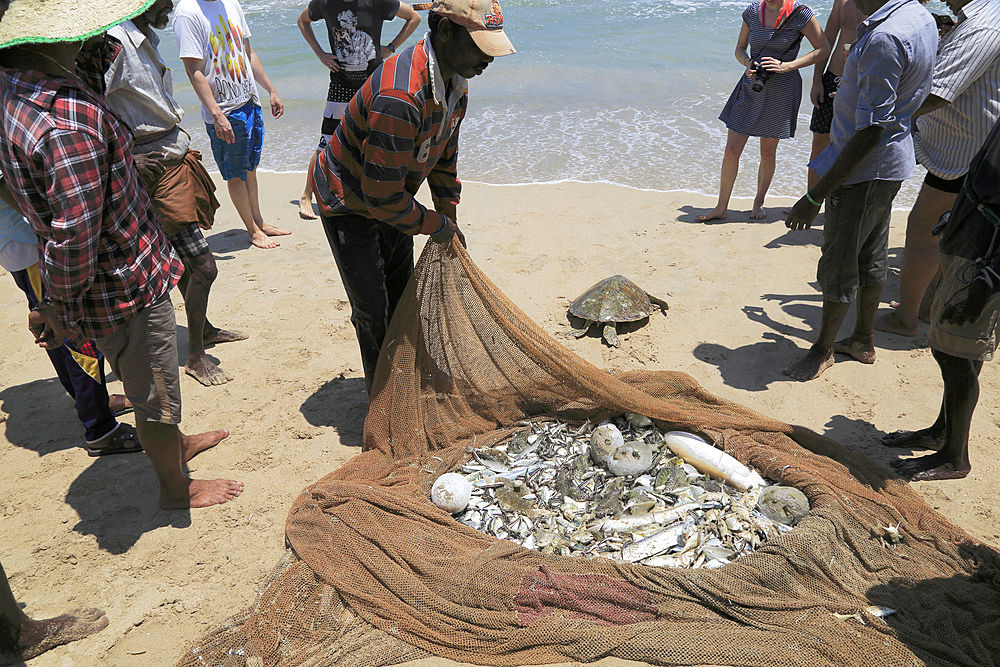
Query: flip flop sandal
<point>119,404</point>
<point>123,441</point>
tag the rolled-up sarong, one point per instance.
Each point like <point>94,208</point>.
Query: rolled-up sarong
<point>184,195</point>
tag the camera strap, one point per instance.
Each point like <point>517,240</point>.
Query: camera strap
<point>795,12</point>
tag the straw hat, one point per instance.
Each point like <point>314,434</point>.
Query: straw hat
<point>38,21</point>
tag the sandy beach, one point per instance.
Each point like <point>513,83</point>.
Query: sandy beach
<point>80,531</point>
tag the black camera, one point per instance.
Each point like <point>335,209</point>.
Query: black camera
<point>761,76</point>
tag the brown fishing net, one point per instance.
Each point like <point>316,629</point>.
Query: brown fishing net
<point>378,575</point>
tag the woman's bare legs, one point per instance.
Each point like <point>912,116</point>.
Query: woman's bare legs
<point>765,174</point>
<point>735,143</point>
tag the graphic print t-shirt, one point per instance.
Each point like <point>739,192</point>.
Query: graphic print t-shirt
<point>216,32</point>
<point>355,30</point>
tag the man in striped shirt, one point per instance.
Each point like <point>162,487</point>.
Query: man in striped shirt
<point>954,121</point>
<point>399,130</point>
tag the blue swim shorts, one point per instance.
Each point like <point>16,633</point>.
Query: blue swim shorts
<point>235,160</point>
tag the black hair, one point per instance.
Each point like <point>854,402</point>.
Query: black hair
<point>433,21</point>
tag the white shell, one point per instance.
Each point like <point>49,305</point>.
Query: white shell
<point>451,492</point>
<point>632,458</point>
<point>604,440</point>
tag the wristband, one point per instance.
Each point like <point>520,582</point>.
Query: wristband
<point>811,200</point>
<point>443,225</point>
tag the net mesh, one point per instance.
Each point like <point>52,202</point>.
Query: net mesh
<point>378,575</point>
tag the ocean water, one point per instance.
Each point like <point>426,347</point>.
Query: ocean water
<point>621,91</point>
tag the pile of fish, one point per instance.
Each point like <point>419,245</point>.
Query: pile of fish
<point>618,490</point>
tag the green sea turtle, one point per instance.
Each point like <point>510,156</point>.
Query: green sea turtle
<point>615,299</point>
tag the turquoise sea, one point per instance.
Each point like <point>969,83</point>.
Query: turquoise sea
<point>621,91</point>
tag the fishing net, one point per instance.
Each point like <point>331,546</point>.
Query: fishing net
<point>377,575</point>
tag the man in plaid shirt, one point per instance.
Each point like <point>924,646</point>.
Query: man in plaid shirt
<point>400,129</point>
<point>106,267</point>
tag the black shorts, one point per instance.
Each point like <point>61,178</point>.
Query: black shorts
<point>337,97</point>
<point>950,185</point>
<point>822,116</point>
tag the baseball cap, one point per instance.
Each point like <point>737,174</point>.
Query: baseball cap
<point>484,21</point>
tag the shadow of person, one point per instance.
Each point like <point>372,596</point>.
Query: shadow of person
<point>808,313</point>
<point>946,620</point>
<point>42,402</point>
<point>229,240</point>
<point>811,236</point>
<point>341,403</point>
<point>861,436</point>
<point>751,367</point>
<point>690,214</point>
<point>116,500</point>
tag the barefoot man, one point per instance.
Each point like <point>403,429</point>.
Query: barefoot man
<point>22,638</point>
<point>214,43</point>
<point>963,320</point>
<point>106,266</point>
<point>886,77</point>
<point>140,89</point>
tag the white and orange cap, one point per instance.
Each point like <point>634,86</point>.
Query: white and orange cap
<point>484,21</point>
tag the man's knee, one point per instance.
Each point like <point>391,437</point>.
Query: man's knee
<point>203,268</point>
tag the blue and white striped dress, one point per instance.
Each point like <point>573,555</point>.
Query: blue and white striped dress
<point>773,111</point>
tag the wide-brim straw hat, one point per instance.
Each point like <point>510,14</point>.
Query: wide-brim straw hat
<point>42,21</point>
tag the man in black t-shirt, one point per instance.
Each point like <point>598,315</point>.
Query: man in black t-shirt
<point>356,50</point>
<point>964,319</point>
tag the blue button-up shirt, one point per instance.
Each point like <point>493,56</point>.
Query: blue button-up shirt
<point>886,77</point>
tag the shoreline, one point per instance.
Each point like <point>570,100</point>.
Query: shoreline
<point>86,532</point>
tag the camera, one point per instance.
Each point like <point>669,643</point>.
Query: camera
<point>761,76</point>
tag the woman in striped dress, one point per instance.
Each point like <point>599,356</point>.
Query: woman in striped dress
<point>771,112</point>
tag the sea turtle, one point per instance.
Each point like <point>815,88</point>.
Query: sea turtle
<point>615,299</point>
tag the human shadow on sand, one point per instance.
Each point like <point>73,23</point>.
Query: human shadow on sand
<point>229,240</point>
<point>116,500</point>
<point>750,367</point>
<point>341,403</point>
<point>775,214</point>
<point>27,405</point>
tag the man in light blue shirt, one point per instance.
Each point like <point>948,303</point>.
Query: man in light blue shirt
<point>886,77</point>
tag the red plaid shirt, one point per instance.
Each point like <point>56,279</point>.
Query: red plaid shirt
<point>68,162</point>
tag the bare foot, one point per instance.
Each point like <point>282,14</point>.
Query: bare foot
<point>262,240</point>
<point>810,366</point>
<point>859,348</point>
<point>714,214</point>
<point>271,230</point>
<point>204,371</point>
<point>758,213</point>
<point>925,438</point>
<point>893,323</point>
<point>202,493</point>
<point>37,637</point>
<point>306,209</point>
<point>222,336</point>
<point>192,445</point>
<point>932,467</point>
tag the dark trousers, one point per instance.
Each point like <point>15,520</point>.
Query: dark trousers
<point>375,262</point>
<point>80,370</point>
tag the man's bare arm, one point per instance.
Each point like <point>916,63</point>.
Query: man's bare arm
<point>412,18</point>
<point>932,103</point>
<point>277,106</point>
<point>305,27</point>
<point>223,130</point>
<point>855,151</point>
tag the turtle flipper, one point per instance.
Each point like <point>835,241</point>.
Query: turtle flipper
<point>611,335</point>
<point>578,333</point>
<point>663,305</point>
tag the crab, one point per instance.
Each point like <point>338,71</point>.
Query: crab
<point>615,299</point>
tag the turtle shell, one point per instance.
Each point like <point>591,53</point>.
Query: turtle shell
<point>614,299</point>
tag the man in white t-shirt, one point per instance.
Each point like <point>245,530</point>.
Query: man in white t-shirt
<point>214,43</point>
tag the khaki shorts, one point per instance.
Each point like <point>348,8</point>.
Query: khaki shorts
<point>143,354</point>
<point>973,340</point>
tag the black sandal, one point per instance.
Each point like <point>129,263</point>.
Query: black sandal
<point>124,440</point>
